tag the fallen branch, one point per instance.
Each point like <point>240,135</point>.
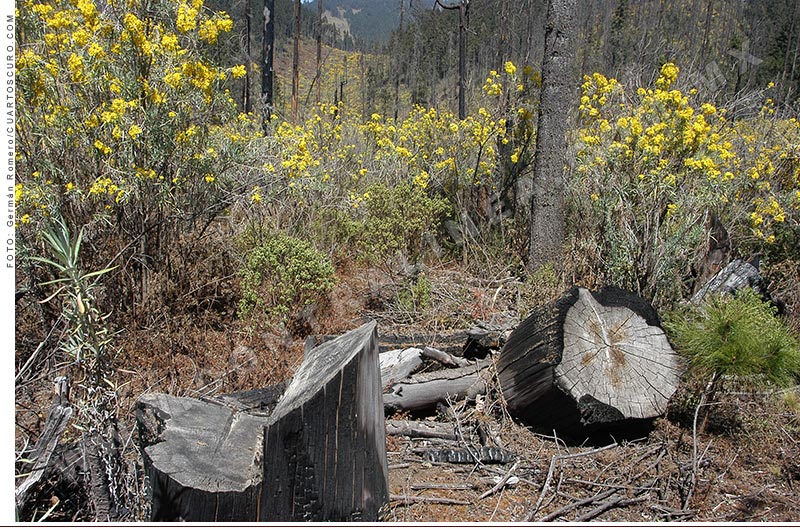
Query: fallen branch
<point>497,487</point>
<point>445,359</point>
<point>411,499</point>
<point>550,471</point>
<point>421,429</point>
<point>577,504</point>
<point>434,486</point>
<point>619,502</point>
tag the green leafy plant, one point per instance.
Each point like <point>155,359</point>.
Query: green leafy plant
<point>415,296</point>
<point>397,220</point>
<point>88,339</point>
<point>739,336</point>
<point>281,275</point>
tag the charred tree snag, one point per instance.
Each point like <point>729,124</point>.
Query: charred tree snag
<point>589,363</point>
<point>316,454</point>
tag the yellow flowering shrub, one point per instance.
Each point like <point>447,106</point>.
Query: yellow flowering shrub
<point>119,110</point>
<point>651,168</point>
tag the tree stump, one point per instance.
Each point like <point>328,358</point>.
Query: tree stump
<point>317,454</point>
<point>325,445</point>
<point>589,362</point>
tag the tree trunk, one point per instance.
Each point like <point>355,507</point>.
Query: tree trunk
<point>319,51</point>
<point>317,455</point>
<point>462,58</point>
<point>545,194</point>
<point>247,105</point>
<point>589,363</point>
<point>296,61</point>
<point>267,56</point>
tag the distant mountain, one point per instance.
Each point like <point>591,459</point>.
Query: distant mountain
<point>370,21</point>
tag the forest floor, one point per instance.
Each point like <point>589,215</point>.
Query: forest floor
<point>744,465</point>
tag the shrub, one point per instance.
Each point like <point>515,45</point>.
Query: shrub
<point>281,276</point>
<point>739,336</point>
<point>396,220</point>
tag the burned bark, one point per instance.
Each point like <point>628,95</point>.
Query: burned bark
<point>587,363</point>
<point>317,454</point>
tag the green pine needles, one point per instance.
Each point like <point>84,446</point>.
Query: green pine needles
<point>739,336</point>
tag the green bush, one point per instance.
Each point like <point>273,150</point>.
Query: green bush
<point>281,275</point>
<point>739,336</point>
<point>397,220</point>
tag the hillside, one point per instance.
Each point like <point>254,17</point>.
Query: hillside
<point>368,21</point>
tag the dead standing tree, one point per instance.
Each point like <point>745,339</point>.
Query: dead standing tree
<point>463,11</point>
<point>267,56</point>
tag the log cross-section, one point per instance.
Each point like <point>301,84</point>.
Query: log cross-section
<point>589,362</point>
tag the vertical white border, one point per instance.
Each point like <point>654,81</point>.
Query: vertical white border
<point>7,265</point>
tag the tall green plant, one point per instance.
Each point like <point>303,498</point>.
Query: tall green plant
<point>88,338</point>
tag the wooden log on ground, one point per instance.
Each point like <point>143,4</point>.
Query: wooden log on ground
<point>424,390</point>
<point>318,456</point>
<point>589,363</point>
<point>398,364</point>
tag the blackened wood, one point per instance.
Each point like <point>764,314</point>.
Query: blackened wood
<point>203,460</point>
<point>735,276</point>
<point>424,390</point>
<point>57,418</point>
<point>589,362</point>
<point>325,445</point>
<point>486,455</point>
<point>319,455</point>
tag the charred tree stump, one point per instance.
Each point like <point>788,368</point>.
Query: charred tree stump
<point>588,363</point>
<point>325,445</point>
<point>317,454</point>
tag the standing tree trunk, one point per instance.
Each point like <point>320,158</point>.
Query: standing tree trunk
<point>319,51</point>
<point>296,61</point>
<point>462,58</point>
<point>546,193</point>
<point>248,18</point>
<point>267,54</point>
<point>462,7</point>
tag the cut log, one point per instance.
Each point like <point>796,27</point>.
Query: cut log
<point>398,364</point>
<point>325,445</point>
<point>588,363</point>
<point>203,460</point>
<point>424,390</point>
<point>318,456</point>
